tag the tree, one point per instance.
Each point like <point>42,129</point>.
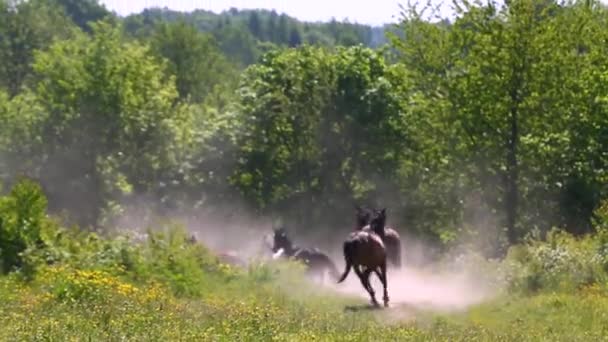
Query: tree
<point>254,24</point>
<point>112,126</point>
<point>319,129</point>
<point>294,37</point>
<point>27,26</point>
<point>491,93</point>
<point>282,35</point>
<point>83,12</point>
<point>194,58</point>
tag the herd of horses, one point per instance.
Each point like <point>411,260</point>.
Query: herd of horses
<point>368,249</point>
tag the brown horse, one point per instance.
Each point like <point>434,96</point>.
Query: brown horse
<point>391,239</point>
<point>316,261</point>
<point>364,252</point>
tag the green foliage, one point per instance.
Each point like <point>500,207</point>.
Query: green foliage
<point>194,58</point>
<point>111,111</point>
<point>22,223</point>
<point>319,129</point>
<point>561,263</point>
<point>83,12</point>
<point>499,102</point>
<point>474,132</point>
<point>241,34</point>
<point>164,287</point>
<point>27,26</point>
<point>21,119</point>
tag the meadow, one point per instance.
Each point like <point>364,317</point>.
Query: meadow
<point>66,284</point>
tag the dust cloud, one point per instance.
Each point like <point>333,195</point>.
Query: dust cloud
<point>419,285</point>
<point>424,290</point>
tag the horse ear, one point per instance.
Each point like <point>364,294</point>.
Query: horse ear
<point>383,211</point>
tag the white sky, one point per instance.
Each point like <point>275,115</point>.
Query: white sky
<point>372,12</point>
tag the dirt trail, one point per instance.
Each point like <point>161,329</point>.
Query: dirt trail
<point>422,290</point>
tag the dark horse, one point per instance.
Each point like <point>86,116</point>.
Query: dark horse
<point>364,252</point>
<point>316,261</point>
<point>392,240</point>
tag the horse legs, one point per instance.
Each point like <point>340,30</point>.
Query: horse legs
<point>382,276</point>
<point>360,275</point>
<point>364,277</point>
<point>369,287</point>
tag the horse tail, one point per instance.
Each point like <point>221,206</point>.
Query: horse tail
<point>348,255</point>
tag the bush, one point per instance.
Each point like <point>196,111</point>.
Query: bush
<point>23,221</point>
<point>562,262</point>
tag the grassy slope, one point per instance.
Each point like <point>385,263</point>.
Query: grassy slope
<point>63,304</point>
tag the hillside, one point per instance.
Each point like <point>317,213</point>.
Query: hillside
<point>244,34</point>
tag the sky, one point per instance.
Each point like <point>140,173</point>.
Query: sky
<point>371,12</point>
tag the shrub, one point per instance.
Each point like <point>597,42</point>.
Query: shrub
<point>23,220</point>
<point>561,262</point>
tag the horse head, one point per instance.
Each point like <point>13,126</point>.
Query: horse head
<point>363,216</point>
<point>378,221</point>
<point>280,240</point>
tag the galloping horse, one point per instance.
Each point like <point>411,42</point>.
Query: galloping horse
<point>392,240</point>
<point>364,252</point>
<point>316,261</point>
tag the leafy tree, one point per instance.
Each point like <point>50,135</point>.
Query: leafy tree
<point>486,88</point>
<point>239,45</point>
<point>240,34</point>
<point>254,24</point>
<point>112,126</point>
<point>22,220</point>
<point>26,26</point>
<point>294,37</point>
<point>83,12</point>
<point>194,58</point>
<point>282,34</point>
<point>319,130</point>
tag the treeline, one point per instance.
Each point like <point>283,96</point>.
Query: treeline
<point>489,128</point>
<point>244,35</point>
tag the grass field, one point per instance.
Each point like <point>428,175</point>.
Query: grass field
<point>62,284</point>
<point>272,303</point>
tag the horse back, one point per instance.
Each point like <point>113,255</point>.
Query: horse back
<point>366,248</point>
